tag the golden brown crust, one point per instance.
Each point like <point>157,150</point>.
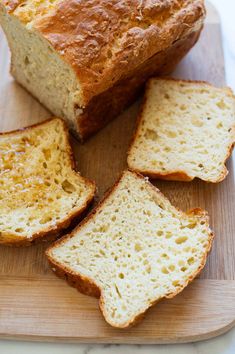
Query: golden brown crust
<point>172,176</point>
<point>176,175</point>
<point>115,47</point>
<point>83,284</point>
<point>106,106</point>
<point>104,40</point>
<point>55,231</point>
<point>88,286</point>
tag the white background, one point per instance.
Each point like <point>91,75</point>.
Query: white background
<point>224,344</point>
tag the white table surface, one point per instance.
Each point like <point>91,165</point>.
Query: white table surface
<point>224,344</point>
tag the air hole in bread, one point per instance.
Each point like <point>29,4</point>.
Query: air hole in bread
<point>168,234</point>
<point>190,260</point>
<point>171,134</point>
<point>138,247</point>
<point>221,104</point>
<point>183,269</point>
<point>26,60</point>
<point>171,267</point>
<point>45,219</point>
<point>102,252</point>
<point>19,229</point>
<point>68,187</point>
<point>47,153</point>
<point>219,125</point>
<point>118,292</point>
<point>175,283</point>
<point>165,270</point>
<point>197,122</point>
<point>189,226</point>
<point>150,134</point>
<point>181,240</point>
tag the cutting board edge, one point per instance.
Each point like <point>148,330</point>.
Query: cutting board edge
<point>94,340</point>
<point>221,322</point>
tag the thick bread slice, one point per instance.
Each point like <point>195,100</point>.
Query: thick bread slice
<point>133,250</point>
<point>40,191</point>
<point>186,129</point>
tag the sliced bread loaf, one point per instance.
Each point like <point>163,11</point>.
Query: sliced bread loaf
<point>185,130</point>
<point>40,191</point>
<point>133,250</point>
<point>87,60</point>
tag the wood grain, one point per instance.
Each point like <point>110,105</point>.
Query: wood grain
<point>50,310</point>
<point>35,305</point>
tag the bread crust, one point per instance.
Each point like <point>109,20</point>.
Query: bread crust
<point>137,29</point>
<point>88,286</point>
<point>177,175</point>
<point>106,106</point>
<point>104,40</point>
<point>51,233</point>
<point>111,46</point>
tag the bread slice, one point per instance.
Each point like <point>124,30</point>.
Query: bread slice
<point>134,249</point>
<point>40,191</point>
<point>186,129</point>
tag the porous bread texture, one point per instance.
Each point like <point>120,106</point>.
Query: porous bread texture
<point>133,250</point>
<point>38,68</point>
<point>185,130</point>
<point>40,191</point>
<point>68,52</point>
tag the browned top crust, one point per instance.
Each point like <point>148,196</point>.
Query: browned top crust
<point>104,40</point>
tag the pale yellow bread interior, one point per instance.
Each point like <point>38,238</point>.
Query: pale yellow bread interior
<point>136,248</point>
<point>185,130</point>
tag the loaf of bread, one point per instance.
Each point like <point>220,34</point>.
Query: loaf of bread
<point>87,60</point>
<point>40,192</point>
<point>134,249</point>
<point>185,130</point>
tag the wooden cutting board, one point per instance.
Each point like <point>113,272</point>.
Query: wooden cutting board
<point>35,305</point>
